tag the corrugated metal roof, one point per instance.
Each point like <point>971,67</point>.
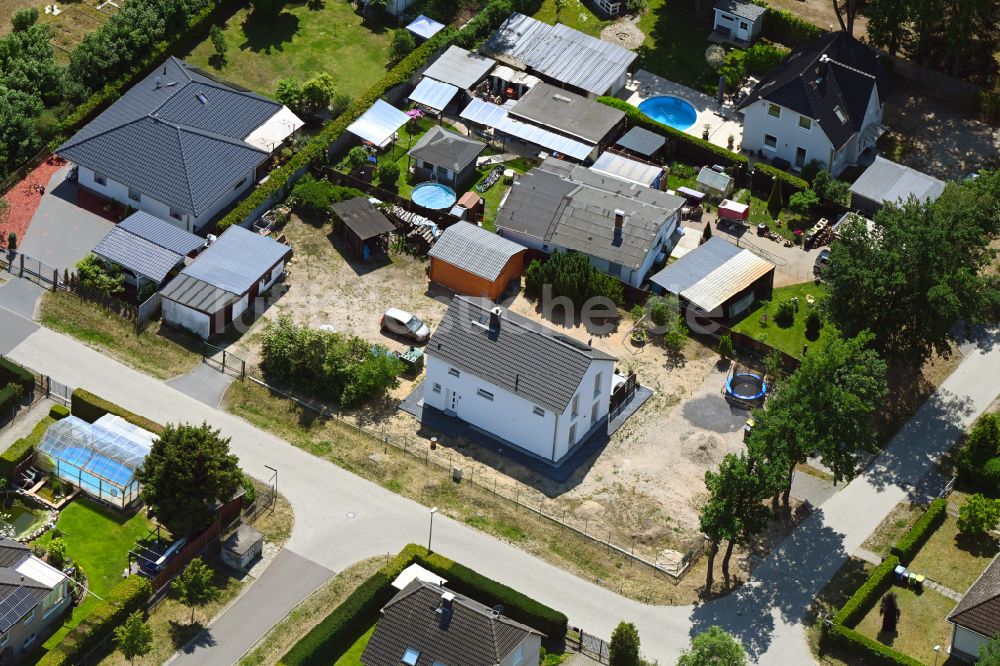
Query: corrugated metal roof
<point>567,112</point>
<point>197,295</point>
<point>491,115</point>
<point>475,250</point>
<point>621,167</point>
<point>560,53</point>
<point>886,181</point>
<point>379,123</point>
<point>433,93</point>
<point>424,26</point>
<point>522,357</point>
<point>137,254</point>
<point>237,260</point>
<point>641,141</point>
<point>362,217</point>
<point>447,149</point>
<point>162,233</point>
<point>460,67</point>
<point>692,268</point>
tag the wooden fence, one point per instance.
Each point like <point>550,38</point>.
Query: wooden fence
<point>206,543</point>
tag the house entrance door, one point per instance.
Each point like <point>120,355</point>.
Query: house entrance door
<point>451,400</point>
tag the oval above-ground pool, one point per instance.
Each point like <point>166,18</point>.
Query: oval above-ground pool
<point>433,195</point>
<point>669,110</point>
<point>746,386</point>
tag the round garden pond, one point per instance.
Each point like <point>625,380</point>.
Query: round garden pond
<point>669,110</point>
<point>435,196</point>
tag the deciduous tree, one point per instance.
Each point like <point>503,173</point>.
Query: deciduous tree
<point>134,638</point>
<point>195,586</point>
<point>978,516</point>
<point>714,647</point>
<point>219,43</point>
<point>624,647</point>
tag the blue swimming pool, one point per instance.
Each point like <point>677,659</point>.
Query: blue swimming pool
<point>433,195</point>
<point>669,110</point>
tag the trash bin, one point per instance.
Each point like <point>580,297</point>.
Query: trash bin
<point>900,572</point>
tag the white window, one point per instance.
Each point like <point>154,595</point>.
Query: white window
<point>454,373</point>
<point>538,411</point>
<point>770,141</point>
<point>572,435</point>
<point>484,394</point>
<point>774,110</point>
<point>575,411</point>
<point>99,179</point>
<point>597,383</point>
<point>134,195</point>
<point>30,617</point>
<point>437,388</point>
<point>839,112</point>
<point>805,122</point>
<point>410,656</point>
<point>174,213</point>
<point>594,411</point>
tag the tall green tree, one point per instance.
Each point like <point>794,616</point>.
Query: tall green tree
<point>989,652</point>
<point>888,24</point>
<point>978,516</point>
<point>714,647</point>
<point>134,638</point>
<point>188,472</point>
<point>775,201</point>
<point>195,586</point>
<point>219,43</point>
<point>624,647</point>
<point>916,273</point>
<point>317,93</point>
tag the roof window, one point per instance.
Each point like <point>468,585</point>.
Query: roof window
<point>839,112</point>
<point>410,656</point>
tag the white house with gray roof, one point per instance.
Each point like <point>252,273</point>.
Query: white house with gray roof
<point>522,383</point>
<point>179,145</point>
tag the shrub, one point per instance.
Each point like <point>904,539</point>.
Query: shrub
<point>789,183</point>
<point>312,196</point>
<point>12,373</point>
<point>761,58</point>
<point>56,550</point>
<point>774,201</point>
<point>910,543</point>
<point>809,172</point>
<point>387,173</point>
<point>89,407</point>
<point>624,647</point>
<point>59,412</point>
<point>803,202</point>
<point>978,516</point>
<point>21,449</point>
<point>863,600</point>
<point>830,189</point>
<point>981,446</point>
<point>725,347</point>
<point>715,55</point>
<point>991,476</point>
<point>402,44</point>
<point>356,157</point>
<point>814,322</point>
<point>571,274</point>
<point>734,68</point>
<point>249,491</point>
<point>786,28</point>
<point>103,278</point>
<point>784,313</point>
<point>10,395</point>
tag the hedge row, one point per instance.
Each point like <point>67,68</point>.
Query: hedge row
<point>764,175</point>
<point>910,543</point>
<point>281,179</point>
<point>89,407</point>
<point>786,28</point>
<point>124,599</point>
<point>12,373</point>
<point>59,412</point>
<point>688,147</point>
<point>329,639</point>
<point>17,452</point>
<point>8,398</point>
<point>865,597</point>
<point>874,652</point>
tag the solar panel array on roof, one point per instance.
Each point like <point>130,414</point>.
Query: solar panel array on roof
<point>15,606</point>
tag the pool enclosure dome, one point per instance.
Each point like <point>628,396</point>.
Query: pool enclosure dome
<point>101,458</point>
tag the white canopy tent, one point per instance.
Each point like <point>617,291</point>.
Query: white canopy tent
<point>433,94</point>
<point>379,123</point>
<point>425,27</point>
<point>275,130</point>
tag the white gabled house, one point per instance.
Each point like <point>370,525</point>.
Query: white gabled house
<point>521,382</point>
<point>824,102</point>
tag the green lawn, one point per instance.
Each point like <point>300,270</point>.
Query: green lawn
<point>952,560</point>
<point>791,339</point>
<point>99,540</point>
<point>759,214</point>
<point>300,43</point>
<point>353,655</point>
<point>921,626</point>
<point>575,14</point>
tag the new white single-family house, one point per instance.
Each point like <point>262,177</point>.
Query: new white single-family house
<point>824,102</point>
<point>530,386</point>
<point>179,145</point>
<point>623,227</point>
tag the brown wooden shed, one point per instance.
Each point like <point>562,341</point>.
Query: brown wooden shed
<point>475,262</point>
<point>365,228</point>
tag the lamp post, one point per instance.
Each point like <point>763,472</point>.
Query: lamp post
<point>430,531</point>
<point>937,653</point>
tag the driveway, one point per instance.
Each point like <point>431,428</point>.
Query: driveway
<point>61,233</point>
<point>341,518</point>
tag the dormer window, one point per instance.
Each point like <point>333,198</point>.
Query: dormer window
<point>774,110</point>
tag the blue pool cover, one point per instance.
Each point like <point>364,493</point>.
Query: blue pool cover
<point>434,196</point>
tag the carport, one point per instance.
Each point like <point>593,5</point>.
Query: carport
<point>365,227</point>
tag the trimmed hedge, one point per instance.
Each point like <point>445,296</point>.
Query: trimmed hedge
<point>18,451</point>
<point>124,599</point>
<point>763,176</point>
<point>89,407</point>
<point>874,652</point>
<point>8,398</point>
<point>786,28</point>
<point>12,373</point>
<point>865,597</point>
<point>910,543</point>
<point>59,412</point>
<point>337,631</point>
<point>688,147</point>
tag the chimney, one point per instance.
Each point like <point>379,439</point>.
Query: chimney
<point>446,599</point>
<point>619,218</point>
<point>157,83</point>
<point>495,318</point>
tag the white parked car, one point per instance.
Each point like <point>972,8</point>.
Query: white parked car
<point>403,323</point>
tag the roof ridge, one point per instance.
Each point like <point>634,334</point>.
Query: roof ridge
<point>71,144</point>
<point>853,69</point>
<point>531,326</point>
<point>187,173</point>
<point>213,135</point>
<point>170,97</point>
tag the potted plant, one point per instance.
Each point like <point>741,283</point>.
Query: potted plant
<point>730,141</point>
<point>639,336</point>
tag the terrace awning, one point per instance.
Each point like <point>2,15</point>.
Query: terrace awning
<point>379,123</point>
<point>433,93</point>
<point>491,115</point>
<point>275,130</point>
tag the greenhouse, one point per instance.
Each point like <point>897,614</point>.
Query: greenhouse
<point>100,458</point>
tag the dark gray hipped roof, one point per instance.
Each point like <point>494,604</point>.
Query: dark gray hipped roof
<point>828,78</point>
<point>747,10</point>
<point>137,254</point>
<point>162,233</point>
<point>567,112</point>
<point>466,634</point>
<point>559,53</point>
<point>979,609</point>
<point>447,149</point>
<point>459,67</point>
<point>177,136</point>
<point>522,357</point>
<point>885,180</point>
<point>362,217</point>
<point>641,141</point>
<point>242,540</point>
<point>475,250</point>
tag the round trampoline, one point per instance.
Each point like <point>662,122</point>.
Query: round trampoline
<point>746,386</point>
<point>669,110</point>
<point>433,195</point>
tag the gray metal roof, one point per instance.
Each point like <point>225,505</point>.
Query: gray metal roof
<point>633,171</point>
<point>491,115</point>
<point>197,295</point>
<point>641,141</point>
<point>237,260</point>
<point>694,266</point>
<point>475,250</point>
<point>886,181</point>
<point>434,94</point>
<point>559,53</point>
<point>522,357</point>
<point>177,136</point>
<point>362,217</point>
<point>747,10</point>
<point>242,540</point>
<point>979,608</point>
<point>466,634</point>
<point>137,254</point>
<point>460,67</point>
<point>162,233</point>
<point>447,149</point>
<point>567,112</point>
